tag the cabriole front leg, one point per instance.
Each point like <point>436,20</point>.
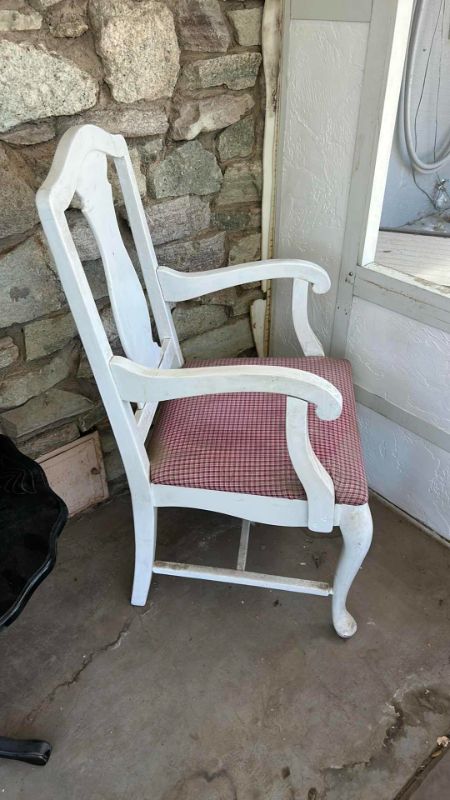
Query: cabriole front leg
<point>356,527</point>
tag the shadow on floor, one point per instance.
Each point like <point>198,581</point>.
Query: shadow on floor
<point>217,692</point>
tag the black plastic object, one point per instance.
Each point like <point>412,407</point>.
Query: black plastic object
<point>31,518</point>
<point>33,751</point>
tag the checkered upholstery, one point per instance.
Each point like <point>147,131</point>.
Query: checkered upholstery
<point>237,442</point>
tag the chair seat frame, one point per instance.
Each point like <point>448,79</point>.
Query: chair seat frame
<point>151,372</point>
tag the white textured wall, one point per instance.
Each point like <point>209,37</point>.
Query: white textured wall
<point>392,356</point>
<point>403,202</point>
<point>402,360</point>
<point>407,470</point>
<point>325,64</point>
<point>407,363</point>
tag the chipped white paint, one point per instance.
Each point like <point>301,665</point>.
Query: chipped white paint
<point>408,471</point>
<point>402,360</point>
<point>149,374</point>
<point>317,145</point>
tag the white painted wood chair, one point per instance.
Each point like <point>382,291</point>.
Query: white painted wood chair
<point>238,436</point>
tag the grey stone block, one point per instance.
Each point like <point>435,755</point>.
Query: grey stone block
<point>43,5</point>
<point>29,381</point>
<point>190,169</point>
<point>135,158</point>
<point>30,133</point>
<point>43,411</point>
<point>138,47</point>
<point>152,150</point>
<point>20,20</point>
<point>68,19</point>
<point>82,235</point>
<point>236,71</point>
<point>242,184</point>
<point>37,84</point>
<point>192,256</point>
<point>246,249</point>
<point>237,219</point>
<point>9,352</point>
<point>201,25</point>
<point>17,206</point>
<point>246,23</point>
<point>224,342</point>
<point>29,287</point>
<point>244,300</point>
<point>50,440</point>
<point>46,336</point>
<point>130,122</point>
<point>210,114</point>
<point>177,218</point>
<point>195,319</point>
<point>238,140</point>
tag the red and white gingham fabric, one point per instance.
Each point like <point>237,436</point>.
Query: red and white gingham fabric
<point>237,442</point>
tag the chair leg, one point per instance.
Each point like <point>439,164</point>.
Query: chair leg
<point>356,527</point>
<point>145,520</point>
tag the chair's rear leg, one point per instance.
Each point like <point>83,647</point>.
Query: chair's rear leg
<point>356,527</point>
<point>145,520</point>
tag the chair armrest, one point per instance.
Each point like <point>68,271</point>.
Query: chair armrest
<point>178,286</point>
<point>137,383</point>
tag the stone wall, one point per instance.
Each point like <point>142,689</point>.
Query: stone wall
<point>182,81</point>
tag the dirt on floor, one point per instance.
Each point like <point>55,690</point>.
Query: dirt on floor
<point>218,692</point>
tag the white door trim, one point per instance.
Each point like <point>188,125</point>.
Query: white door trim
<point>386,50</point>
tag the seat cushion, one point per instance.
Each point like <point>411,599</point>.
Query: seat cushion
<point>237,442</point>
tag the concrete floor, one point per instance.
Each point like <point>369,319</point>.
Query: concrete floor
<point>214,692</point>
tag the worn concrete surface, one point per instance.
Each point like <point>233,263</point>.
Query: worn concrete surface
<point>436,785</point>
<point>214,692</point>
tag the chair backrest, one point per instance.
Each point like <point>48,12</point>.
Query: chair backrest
<point>80,167</point>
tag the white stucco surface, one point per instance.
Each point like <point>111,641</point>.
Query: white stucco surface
<point>402,360</point>
<point>403,201</point>
<point>394,357</point>
<point>407,470</point>
<point>325,64</point>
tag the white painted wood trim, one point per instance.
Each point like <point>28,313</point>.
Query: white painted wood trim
<point>141,384</point>
<point>178,286</point>
<point>144,415</point>
<point>267,510</point>
<point>243,545</point>
<point>403,294</point>
<point>271,49</point>
<point>391,82</point>
<point>315,479</point>
<point>405,419</point>
<point>333,10</point>
<point>222,575</point>
<point>310,344</point>
<point>383,72</point>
